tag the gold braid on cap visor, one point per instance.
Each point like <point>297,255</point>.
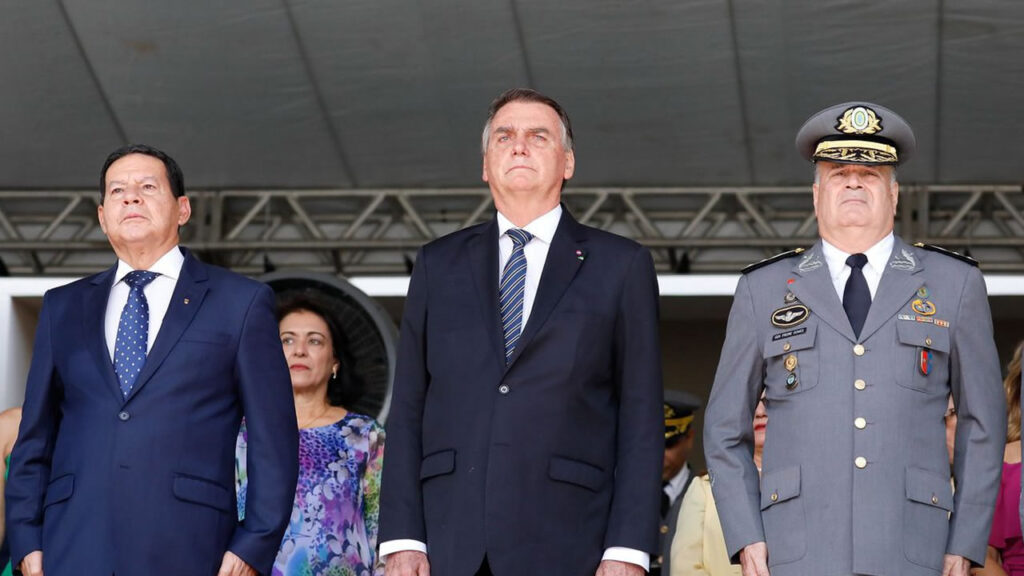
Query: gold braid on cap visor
<point>677,426</point>
<point>860,151</point>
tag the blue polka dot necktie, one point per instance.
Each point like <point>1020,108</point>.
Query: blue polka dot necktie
<point>857,296</point>
<point>510,291</point>
<point>132,331</point>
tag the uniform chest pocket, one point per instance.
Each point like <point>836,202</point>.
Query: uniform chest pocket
<point>922,355</point>
<point>791,361</point>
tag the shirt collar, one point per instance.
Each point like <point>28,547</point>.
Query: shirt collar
<point>168,265</point>
<point>877,255</point>
<point>543,227</point>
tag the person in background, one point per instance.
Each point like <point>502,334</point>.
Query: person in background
<point>698,548</point>
<point>333,528</point>
<point>1005,545</point>
<point>680,409</point>
<point>10,419</point>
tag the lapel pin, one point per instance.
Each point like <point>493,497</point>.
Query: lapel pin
<point>922,292</point>
<point>580,255</point>
<point>186,300</point>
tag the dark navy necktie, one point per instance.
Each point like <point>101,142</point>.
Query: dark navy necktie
<point>856,297</point>
<point>132,331</point>
<point>511,289</point>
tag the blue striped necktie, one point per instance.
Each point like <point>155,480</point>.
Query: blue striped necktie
<point>133,331</point>
<point>510,291</point>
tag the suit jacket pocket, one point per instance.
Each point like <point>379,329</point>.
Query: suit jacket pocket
<point>438,463</point>
<point>782,513</point>
<point>59,489</point>
<point>204,492</point>
<point>926,517</point>
<point>925,348</point>
<point>576,472</point>
<point>206,337</point>
<point>791,361</point>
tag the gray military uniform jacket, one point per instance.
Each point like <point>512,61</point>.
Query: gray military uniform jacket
<point>856,475</point>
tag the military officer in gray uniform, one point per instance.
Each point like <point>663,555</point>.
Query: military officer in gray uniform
<point>858,341</point>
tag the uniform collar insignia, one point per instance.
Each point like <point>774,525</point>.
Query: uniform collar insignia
<point>809,262</point>
<point>904,260</point>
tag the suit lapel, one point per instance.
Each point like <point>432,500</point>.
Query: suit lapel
<point>191,288</point>
<point>898,284</point>
<point>813,287</point>
<point>483,255</point>
<point>560,268</point>
<point>94,328</point>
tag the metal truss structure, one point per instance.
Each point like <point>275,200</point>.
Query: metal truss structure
<point>377,232</point>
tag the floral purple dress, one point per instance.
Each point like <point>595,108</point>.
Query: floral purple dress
<point>333,528</point>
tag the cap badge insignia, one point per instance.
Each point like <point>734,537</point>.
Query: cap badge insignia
<point>790,316</point>
<point>859,120</point>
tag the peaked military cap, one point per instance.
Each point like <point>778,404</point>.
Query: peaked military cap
<point>856,133</point>
<point>679,407</point>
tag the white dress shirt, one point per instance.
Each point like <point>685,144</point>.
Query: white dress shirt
<point>674,488</point>
<point>158,296</point>
<point>536,251</point>
<point>878,257</point>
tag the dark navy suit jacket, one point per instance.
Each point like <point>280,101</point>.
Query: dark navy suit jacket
<point>104,485</point>
<point>544,463</point>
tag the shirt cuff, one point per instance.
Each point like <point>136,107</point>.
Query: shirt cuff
<point>638,557</point>
<point>392,546</point>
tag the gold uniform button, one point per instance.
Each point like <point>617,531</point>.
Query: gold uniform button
<point>860,423</point>
<point>786,347</point>
<point>775,496</point>
<point>935,499</point>
<point>860,384</point>
<point>860,462</point>
<point>664,529</point>
<point>928,341</point>
<point>858,349</point>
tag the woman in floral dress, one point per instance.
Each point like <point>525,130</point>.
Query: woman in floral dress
<point>333,527</point>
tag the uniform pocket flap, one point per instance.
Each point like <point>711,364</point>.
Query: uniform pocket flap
<point>923,335</point>
<point>59,489</point>
<point>929,488</point>
<point>779,485</point>
<point>438,463</point>
<point>205,492</point>
<point>791,340</point>
<point>576,472</point>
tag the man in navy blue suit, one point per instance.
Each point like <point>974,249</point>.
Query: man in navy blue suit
<point>140,376</point>
<point>525,433</point>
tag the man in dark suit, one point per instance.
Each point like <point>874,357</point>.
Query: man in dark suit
<point>525,434</point>
<point>140,376</point>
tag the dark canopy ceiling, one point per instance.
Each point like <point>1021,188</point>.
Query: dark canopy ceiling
<point>392,93</point>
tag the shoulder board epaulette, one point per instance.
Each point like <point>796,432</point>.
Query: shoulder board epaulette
<point>771,260</point>
<point>949,253</point>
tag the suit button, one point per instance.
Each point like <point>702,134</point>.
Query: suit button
<point>858,349</point>
<point>860,423</point>
<point>860,384</point>
<point>860,462</point>
<point>664,529</point>
<point>775,496</point>
<point>123,416</point>
<point>503,388</point>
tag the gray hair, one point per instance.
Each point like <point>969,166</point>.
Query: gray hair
<point>527,95</point>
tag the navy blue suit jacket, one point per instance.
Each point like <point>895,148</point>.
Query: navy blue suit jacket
<point>544,463</point>
<point>104,485</point>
